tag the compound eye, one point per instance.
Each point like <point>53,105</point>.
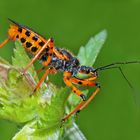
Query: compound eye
<point>95,73</point>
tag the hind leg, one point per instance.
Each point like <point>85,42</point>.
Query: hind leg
<point>50,53</point>
<point>4,42</point>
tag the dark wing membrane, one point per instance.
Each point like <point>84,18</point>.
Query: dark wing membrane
<point>25,27</point>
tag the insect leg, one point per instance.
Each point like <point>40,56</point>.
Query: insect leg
<point>84,82</point>
<point>74,111</point>
<point>39,70</point>
<point>42,79</point>
<point>50,70</point>
<point>4,42</point>
<point>67,77</point>
<point>91,78</point>
<point>67,81</point>
<point>50,41</point>
<point>90,98</point>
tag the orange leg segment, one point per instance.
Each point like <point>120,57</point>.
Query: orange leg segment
<point>74,111</point>
<point>42,79</point>
<point>83,82</point>
<point>90,98</point>
<point>4,42</point>
<point>39,70</point>
<point>82,105</point>
<point>48,71</point>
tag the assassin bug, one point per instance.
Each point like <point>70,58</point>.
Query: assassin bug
<point>55,59</point>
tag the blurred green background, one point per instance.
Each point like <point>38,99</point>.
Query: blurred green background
<point>112,115</point>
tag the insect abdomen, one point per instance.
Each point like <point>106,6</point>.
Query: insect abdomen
<point>30,40</point>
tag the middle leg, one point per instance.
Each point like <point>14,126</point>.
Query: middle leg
<point>48,71</point>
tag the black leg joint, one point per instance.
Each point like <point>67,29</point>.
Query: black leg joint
<point>98,85</point>
<point>83,97</point>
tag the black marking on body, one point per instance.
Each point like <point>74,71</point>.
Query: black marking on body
<point>44,57</point>
<point>22,40</point>
<point>47,49</point>
<point>74,91</point>
<point>27,33</point>
<point>20,30</point>
<point>17,36</point>
<point>41,43</point>
<point>35,38</point>
<point>80,83</point>
<point>34,49</point>
<point>28,44</point>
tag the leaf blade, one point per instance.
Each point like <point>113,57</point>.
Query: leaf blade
<point>88,54</point>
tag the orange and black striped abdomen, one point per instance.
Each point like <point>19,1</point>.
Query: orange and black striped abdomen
<point>31,41</point>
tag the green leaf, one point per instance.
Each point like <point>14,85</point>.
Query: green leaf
<point>3,61</point>
<point>73,133</point>
<point>48,119</point>
<point>27,133</point>
<point>21,59</point>
<point>88,54</point>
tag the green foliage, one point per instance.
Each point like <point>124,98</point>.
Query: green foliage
<point>21,57</point>
<point>88,54</point>
<point>40,114</point>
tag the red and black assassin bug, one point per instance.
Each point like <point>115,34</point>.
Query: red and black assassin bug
<point>55,59</point>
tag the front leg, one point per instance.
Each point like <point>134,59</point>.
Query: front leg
<point>87,82</point>
<point>67,77</point>
<point>67,80</point>
<point>84,82</point>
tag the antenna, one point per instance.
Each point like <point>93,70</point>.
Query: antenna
<point>117,65</point>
